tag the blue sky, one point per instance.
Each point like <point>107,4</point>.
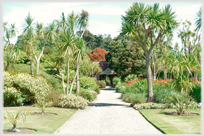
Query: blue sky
<point>105,18</point>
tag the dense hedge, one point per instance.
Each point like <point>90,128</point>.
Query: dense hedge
<point>25,87</point>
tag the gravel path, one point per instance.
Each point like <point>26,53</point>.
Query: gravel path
<point>107,115</point>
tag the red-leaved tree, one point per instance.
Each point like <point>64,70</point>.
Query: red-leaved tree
<point>97,54</point>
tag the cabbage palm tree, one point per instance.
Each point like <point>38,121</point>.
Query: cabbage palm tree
<point>72,22</point>
<point>59,62</point>
<point>83,21</point>
<point>80,55</point>
<point>145,23</point>
<point>198,20</point>
<point>67,47</point>
<point>48,35</point>
<point>28,36</point>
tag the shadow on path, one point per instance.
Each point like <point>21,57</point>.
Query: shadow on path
<point>104,104</point>
<point>111,89</point>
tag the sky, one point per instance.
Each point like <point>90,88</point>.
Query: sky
<point>104,18</point>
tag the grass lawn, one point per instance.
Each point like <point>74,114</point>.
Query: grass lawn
<point>174,124</point>
<point>43,124</point>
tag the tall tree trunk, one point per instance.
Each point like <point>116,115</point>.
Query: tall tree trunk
<point>149,79</point>
<point>62,79</point>
<point>38,59</point>
<point>7,66</point>
<point>31,66</point>
<point>77,78</point>
<point>68,74</point>
<point>165,74</point>
<point>73,81</point>
<point>196,75</point>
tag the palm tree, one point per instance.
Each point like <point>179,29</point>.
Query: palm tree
<point>80,55</point>
<point>59,62</point>
<point>67,47</point>
<point>72,21</point>
<point>83,21</point>
<point>11,52</point>
<point>28,33</point>
<point>145,23</point>
<point>14,118</point>
<point>47,34</point>
<point>198,22</point>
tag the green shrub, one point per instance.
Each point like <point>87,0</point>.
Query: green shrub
<point>181,102</point>
<point>161,96</point>
<point>120,86</point>
<point>21,68</point>
<point>72,101</point>
<point>101,84</point>
<point>130,77</point>
<point>134,98</point>
<point>116,80</point>
<point>12,97</point>
<point>195,92</point>
<point>30,88</point>
<point>86,95</point>
<point>108,80</point>
<point>51,79</point>
<point>88,82</point>
<point>54,97</point>
<point>138,98</point>
<point>130,89</point>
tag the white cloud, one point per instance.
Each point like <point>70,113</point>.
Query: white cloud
<point>47,12</point>
<point>98,27</point>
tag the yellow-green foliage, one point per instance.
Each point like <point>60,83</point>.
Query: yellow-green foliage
<point>25,87</point>
<point>72,101</point>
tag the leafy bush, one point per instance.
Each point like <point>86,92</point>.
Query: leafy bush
<point>180,101</point>
<point>120,86</point>
<point>72,101</point>
<point>108,80</point>
<point>161,96</point>
<point>51,79</point>
<point>102,84</point>
<point>130,77</point>
<point>134,98</point>
<point>21,68</point>
<point>196,92</point>
<point>116,80</point>
<point>54,97</point>
<point>88,82</point>
<point>149,106</point>
<point>30,88</point>
<point>12,97</point>
<point>86,95</point>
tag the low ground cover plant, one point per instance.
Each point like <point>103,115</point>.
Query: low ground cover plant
<point>149,106</point>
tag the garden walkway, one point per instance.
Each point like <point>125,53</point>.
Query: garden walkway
<point>107,115</point>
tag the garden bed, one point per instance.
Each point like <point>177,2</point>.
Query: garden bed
<point>42,124</point>
<point>173,124</point>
